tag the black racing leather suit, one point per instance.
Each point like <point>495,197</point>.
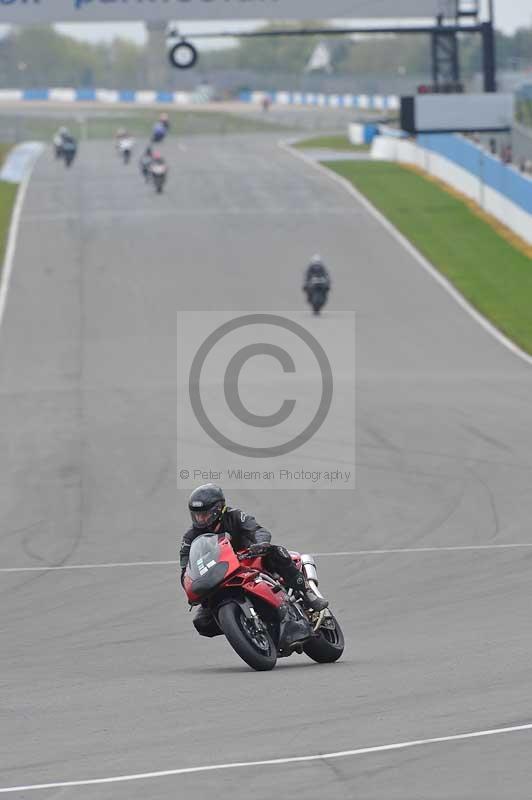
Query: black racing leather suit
<point>245,531</point>
<point>316,271</point>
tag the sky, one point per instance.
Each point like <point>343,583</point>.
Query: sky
<point>509,15</point>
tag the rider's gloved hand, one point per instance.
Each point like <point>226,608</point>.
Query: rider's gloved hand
<point>259,549</point>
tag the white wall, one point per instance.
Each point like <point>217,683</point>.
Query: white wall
<point>408,152</point>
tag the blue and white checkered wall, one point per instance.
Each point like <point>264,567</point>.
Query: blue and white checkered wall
<point>103,96</point>
<point>376,102</point>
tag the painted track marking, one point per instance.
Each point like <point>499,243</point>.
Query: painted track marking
<point>382,552</point>
<point>269,762</point>
<point>5,276</point>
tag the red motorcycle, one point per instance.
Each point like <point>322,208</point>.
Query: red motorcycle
<point>261,619</point>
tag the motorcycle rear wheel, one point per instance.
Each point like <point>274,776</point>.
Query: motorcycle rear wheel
<point>327,646</point>
<point>317,302</point>
<point>255,648</point>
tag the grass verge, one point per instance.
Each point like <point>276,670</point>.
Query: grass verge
<point>8,194</point>
<point>494,275</point>
<point>96,123</point>
<point>331,143</point>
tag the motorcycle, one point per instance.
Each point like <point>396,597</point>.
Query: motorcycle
<point>260,617</point>
<point>125,148</point>
<point>158,172</point>
<point>68,151</point>
<point>159,132</point>
<point>58,147</point>
<point>145,167</point>
<point>317,292</point>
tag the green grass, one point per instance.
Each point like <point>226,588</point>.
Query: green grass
<point>95,124</point>
<point>8,193</point>
<point>4,150</point>
<point>493,275</point>
<point>332,143</point>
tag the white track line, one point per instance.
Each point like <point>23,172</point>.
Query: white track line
<point>273,762</point>
<point>91,566</point>
<point>421,260</point>
<point>383,552</point>
<point>5,277</point>
<point>445,549</point>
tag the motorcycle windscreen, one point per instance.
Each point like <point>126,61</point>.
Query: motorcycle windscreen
<point>204,566</point>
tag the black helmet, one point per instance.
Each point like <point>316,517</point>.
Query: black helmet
<point>206,505</point>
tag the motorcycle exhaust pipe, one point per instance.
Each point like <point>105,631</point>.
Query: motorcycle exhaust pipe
<point>309,568</point>
<point>308,565</point>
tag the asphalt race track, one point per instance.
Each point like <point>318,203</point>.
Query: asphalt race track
<point>101,672</point>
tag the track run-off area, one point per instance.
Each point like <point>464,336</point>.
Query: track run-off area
<point>106,689</point>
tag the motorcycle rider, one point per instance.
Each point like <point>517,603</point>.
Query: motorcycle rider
<point>160,129</point>
<point>69,146</point>
<point>63,140</point>
<point>316,269</point>
<point>58,140</point>
<point>210,514</point>
<point>145,163</point>
<point>157,158</point>
<point>124,144</point>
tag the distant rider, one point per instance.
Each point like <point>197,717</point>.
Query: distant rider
<point>316,269</point>
<point>160,129</point>
<point>210,514</point>
<point>157,160</point>
<point>62,137</point>
<point>145,162</point>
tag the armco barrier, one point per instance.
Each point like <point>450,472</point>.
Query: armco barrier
<point>362,133</point>
<point>365,102</point>
<point>68,95</point>
<point>490,170</point>
<point>497,188</point>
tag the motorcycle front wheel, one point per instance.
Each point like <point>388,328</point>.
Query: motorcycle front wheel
<point>254,646</point>
<point>328,645</point>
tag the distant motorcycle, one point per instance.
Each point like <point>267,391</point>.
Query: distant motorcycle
<point>261,619</point>
<point>160,129</point>
<point>317,293</point>
<point>145,166</point>
<point>58,146</point>
<point>125,148</point>
<point>158,173</point>
<point>69,150</point>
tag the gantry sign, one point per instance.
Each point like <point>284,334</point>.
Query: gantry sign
<point>28,12</point>
<point>449,16</point>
